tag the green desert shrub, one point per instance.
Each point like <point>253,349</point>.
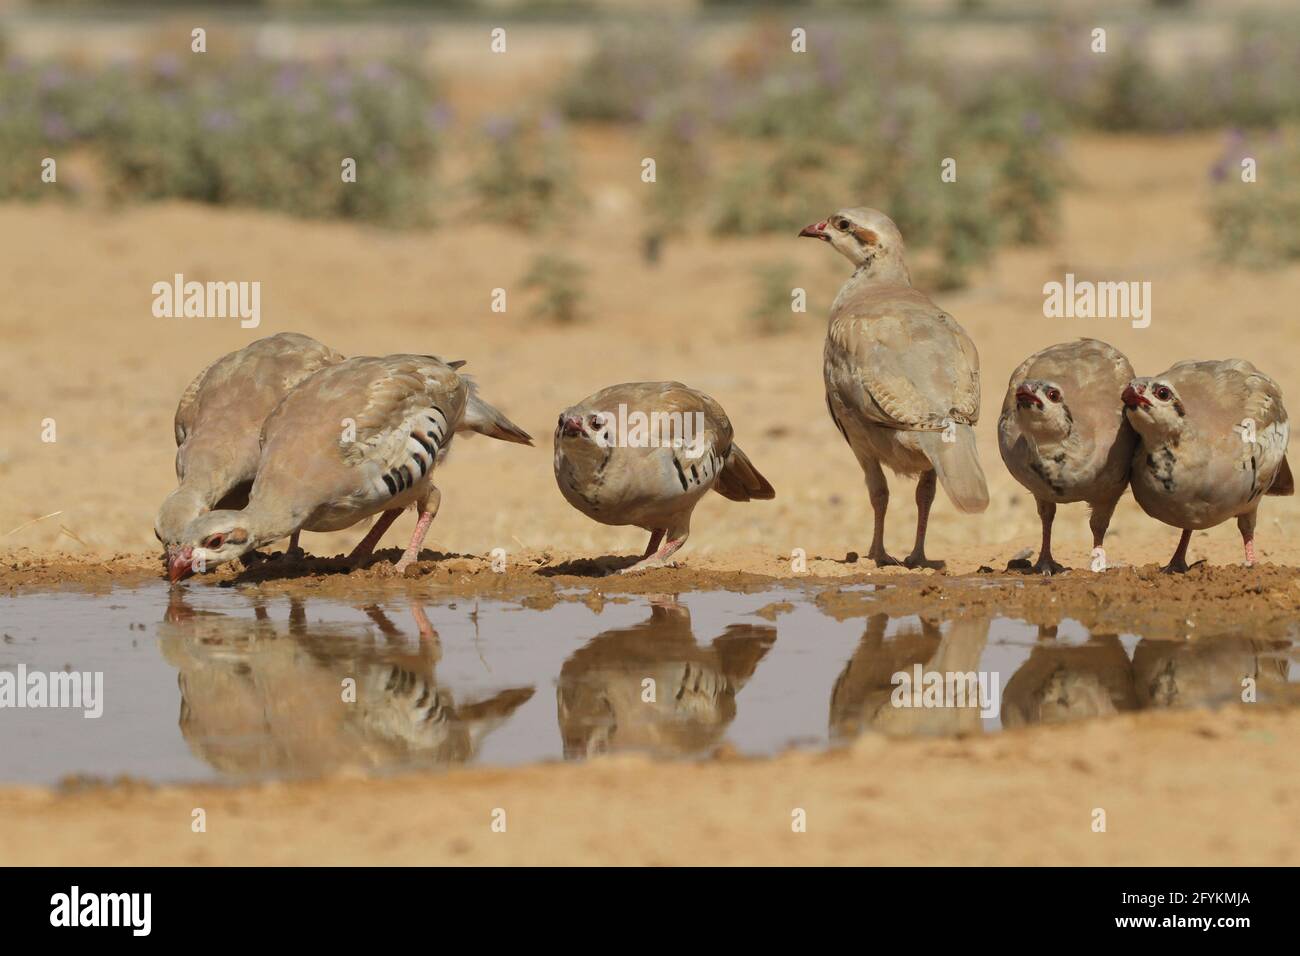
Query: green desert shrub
<point>630,65</point>
<point>676,141</point>
<point>275,136</point>
<point>246,132</point>
<point>526,176</point>
<point>775,193</point>
<point>1257,224</point>
<point>45,111</point>
<point>772,312</point>
<point>557,282</point>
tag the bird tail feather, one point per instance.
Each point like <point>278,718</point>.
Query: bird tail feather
<point>1283,483</point>
<point>958,466</point>
<point>483,418</point>
<point>739,480</point>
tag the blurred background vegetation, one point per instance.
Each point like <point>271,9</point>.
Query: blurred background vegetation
<point>747,136</point>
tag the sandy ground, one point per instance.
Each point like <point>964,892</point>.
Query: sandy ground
<point>1174,788</point>
<point>81,347</point>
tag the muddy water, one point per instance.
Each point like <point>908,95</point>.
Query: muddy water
<point>228,683</point>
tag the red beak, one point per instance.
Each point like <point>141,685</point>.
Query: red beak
<point>572,426</point>
<point>817,231</point>
<point>1133,398</point>
<point>1025,396</point>
<point>180,564</point>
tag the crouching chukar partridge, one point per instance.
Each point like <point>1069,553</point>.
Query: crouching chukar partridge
<point>1213,443</point>
<point>1063,435</point>
<point>218,423</point>
<point>652,476</point>
<point>902,378</point>
<point>356,439</point>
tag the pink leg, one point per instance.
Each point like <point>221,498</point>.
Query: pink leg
<point>1246,525</point>
<point>655,537</point>
<point>428,510</point>
<point>660,557</point>
<point>412,553</point>
<point>367,545</point>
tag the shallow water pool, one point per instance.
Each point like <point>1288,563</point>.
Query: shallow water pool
<point>230,683</point>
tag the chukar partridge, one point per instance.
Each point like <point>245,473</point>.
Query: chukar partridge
<point>219,421</point>
<point>1063,435</point>
<point>1213,439</point>
<point>644,454</point>
<point>902,378</point>
<point>356,439</point>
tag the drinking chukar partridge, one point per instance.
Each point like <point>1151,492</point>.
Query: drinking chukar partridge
<point>219,421</point>
<point>356,439</point>
<point>902,378</point>
<point>1213,439</point>
<point>644,454</point>
<point>1063,435</point>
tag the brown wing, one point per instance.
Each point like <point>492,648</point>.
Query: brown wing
<point>900,362</point>
<point>187,409</point>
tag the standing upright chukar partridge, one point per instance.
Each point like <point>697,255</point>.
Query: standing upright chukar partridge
<point>356,439</point>
<point>617,472</point>
<point>902,378</point>
<point>1063,435</point>
<point>219,421</point>
<point>1213,443</point>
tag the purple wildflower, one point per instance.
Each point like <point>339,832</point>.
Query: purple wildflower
<point>439,116</point>
<point>166,66</point>
<point>219,121</point>
<point>499,128</point>
<point>56,128</point>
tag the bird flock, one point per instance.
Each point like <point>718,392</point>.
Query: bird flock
<point>286,434</point>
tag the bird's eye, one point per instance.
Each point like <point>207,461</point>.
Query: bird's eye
<point>1054,395</point>
<point>594,421</point>
<point>213,542</point>
<point>1163,393</point>
<point>841,224</point>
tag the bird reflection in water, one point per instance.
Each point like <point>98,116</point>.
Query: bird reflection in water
<point>1058,682</point>
<point>651,688</point>
<point>259,697</point>
<point>862,699</point>
<point>1211,672</point>
<point>1063,682</point>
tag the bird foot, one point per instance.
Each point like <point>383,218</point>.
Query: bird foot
<point>1177,566</point>
<point>1046,566</point>
<point>919,560</point>
<point>883,558</point>
<point>646,564</point>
